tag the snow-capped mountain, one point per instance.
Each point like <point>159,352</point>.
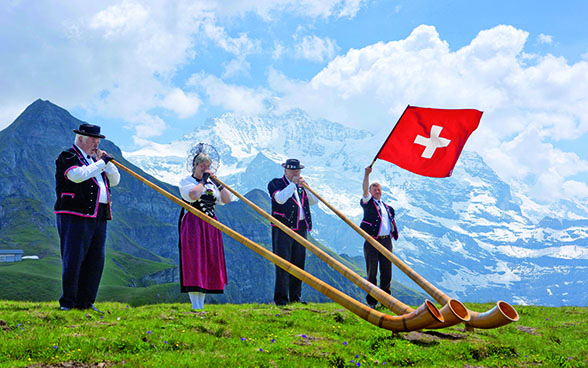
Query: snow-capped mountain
<point>467,234</point>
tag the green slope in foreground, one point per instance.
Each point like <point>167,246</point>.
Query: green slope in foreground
<point>263,335</point>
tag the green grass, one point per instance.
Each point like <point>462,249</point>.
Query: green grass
<point>252,335</point>
<point>40,280</point>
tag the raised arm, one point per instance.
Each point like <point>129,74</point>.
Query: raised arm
<point>366,182</point>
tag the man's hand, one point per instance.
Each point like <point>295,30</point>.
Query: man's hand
<point>104,156</point>
<point>368,171</point>
<point>298,180</point>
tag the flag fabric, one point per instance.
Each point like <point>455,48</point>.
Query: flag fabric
<point>429,141</point>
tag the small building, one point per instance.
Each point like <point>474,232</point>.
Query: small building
<point>11,255</point>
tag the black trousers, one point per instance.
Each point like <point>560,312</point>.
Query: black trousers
<point>373,258</point>
<point>288,288</point>
<point>82,253</point>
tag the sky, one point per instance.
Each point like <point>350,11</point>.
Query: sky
<point>154,70</point>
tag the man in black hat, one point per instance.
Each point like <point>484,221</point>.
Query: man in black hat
<point>291,206</point>
<point>83,177</point>
<point>378,222</point>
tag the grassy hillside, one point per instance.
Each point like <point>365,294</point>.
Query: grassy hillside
<point>262,335</point>
<point>40,280</point>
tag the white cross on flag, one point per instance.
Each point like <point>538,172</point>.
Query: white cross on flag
<point>429,141</point>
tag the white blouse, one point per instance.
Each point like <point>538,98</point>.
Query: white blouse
<point>188,183</point>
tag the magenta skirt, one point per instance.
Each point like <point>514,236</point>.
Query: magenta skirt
<point>202,256</point>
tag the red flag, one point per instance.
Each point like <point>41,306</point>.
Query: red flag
<point>428,141</point>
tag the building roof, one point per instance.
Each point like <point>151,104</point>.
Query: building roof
<point>11,251</point>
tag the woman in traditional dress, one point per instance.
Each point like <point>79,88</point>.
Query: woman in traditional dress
<point>202,256</point>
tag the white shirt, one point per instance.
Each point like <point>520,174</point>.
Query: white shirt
<point>188,183</point>
<point>385,225</point>
<point>283,195</point>
<point>93,169</point>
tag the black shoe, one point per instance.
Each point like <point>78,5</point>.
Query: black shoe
<point>93,307</point>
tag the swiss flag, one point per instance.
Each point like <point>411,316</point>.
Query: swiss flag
<point>428,141</point>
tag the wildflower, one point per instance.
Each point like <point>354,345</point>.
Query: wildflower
<point>273,340</point>
<point>166,342</point>
<point>304,336</point>
<point>148,332</point>
<point>55,347</point>
<point>344,342</point>
<point>260,349</point>
<point>242,339</point>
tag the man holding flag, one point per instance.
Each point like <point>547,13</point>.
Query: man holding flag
<point>378,222</point>
<point>427,142</point>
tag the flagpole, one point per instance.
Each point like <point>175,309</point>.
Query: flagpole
<point>380,151</point>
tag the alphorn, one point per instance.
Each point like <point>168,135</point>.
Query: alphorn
<point>501,314</point>
<point>453,311</point>
<point>425,315</point>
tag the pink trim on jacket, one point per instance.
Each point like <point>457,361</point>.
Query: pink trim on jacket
<point>81,159</point>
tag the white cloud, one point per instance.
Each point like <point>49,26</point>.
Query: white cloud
<point>184,105</point>
<point>317,49</point>
<point>268,9</point>
<point>237,66</point>
<point>545,39</point>
<point>575,190</point>
<point>237,99</point>
<point>120,19</point>
<point>527,102</point>
<point>147,126</point>
<point>278,50</point>
<point>241,45</point>
<point>112,58</point>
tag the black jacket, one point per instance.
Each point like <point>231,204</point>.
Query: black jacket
<point>287,213</point>
<point>79,199</point>
<point>372,219</point>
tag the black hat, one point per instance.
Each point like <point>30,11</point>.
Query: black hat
<point>292,164</point>
<point>89,130</point>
